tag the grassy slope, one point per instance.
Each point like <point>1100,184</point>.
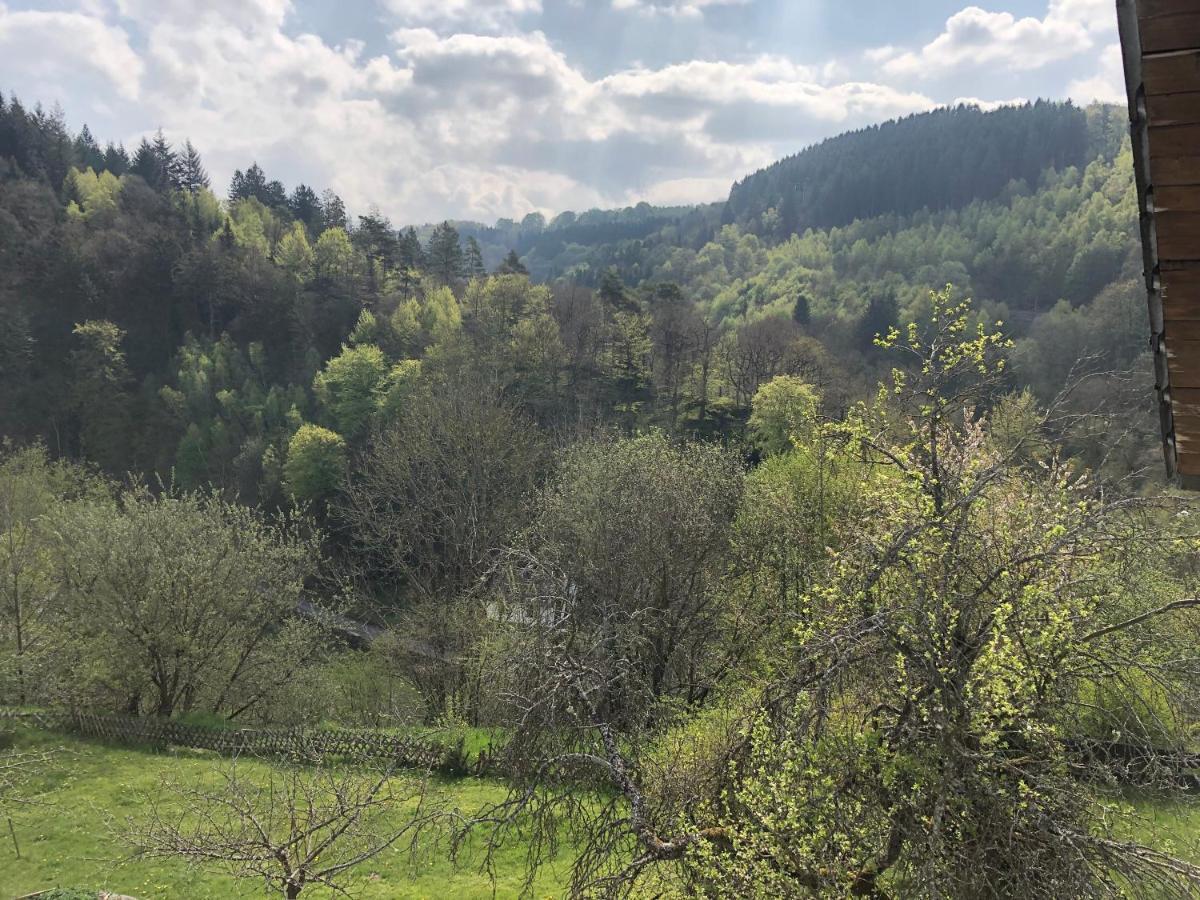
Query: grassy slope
<point>68,843</point>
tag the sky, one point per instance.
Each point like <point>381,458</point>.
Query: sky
<point>480,109</point>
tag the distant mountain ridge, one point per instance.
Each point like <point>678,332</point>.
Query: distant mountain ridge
<point>944,159</point>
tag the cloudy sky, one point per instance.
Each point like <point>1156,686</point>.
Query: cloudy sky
<point>487,108</point>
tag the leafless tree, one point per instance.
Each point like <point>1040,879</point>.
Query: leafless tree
<point>436,496</point>
<point>764,348</point>
<point>290,826</point>
<point>19,771</point>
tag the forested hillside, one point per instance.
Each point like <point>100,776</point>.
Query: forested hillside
<point>943,159</point>
<point>152,326</point>
<point>812,544</point>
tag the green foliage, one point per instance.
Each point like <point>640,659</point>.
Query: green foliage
<point>254,226</point>
<point>944,158</point>
<point>294,253</point>
<point>334,256</point>
<point>440,314</point>
<point>316,463</point>
<point>445,254</point>
<point>959,593</point>
<point>32,488</point>
<point>100,383</point>
<point>94,194</point>
<point>366,329</point>
<point>783,414</point>
<point>73,848</point>
<point>349,387</point>
<point>401,386</point>
<point>181,602</point>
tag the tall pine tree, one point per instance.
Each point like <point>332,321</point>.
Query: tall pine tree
<point>445,254</point>
<point>189,173</point>
<point>473,260</point>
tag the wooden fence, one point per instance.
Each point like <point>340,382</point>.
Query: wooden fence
<point>293,743</point>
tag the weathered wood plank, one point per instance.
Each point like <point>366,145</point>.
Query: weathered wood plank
<point>1177,198</point>
<point>1174,109</point>
<point>1171,73</point>
<point>1188,463</point>
<point>1174,140</point>
<point>1174,170</point>
<point>1185,401</point>
<point>1180,304</point>
<point>1149,9</point>
<point>1183,330</point>
<point>1164,33</point>
<point>1188,425</point>
<point>1178,235</point>
<point>1183,364</point>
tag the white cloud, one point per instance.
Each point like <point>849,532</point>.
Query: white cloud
<point>43,50</point>
<point>1097,16</point>
<point>245,14</point>
<point>988,105</point>
<point>682,9</point>
<point>769,91</point>
<point>1107,85</point>
<point>881,54</point>
<point>485,125</point>
<point>490,123</point>
<point>474,15</point>
<point>974,38</point>
<point>681,191</point>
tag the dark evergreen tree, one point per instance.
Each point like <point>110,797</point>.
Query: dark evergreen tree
<point>189,172</point>
<point>881,314</point>
<point>305,207</point>
<point>412,254</point>
<point>445,254</point>
<point>275,198</point>
<point>116,160</point>
<point>512,265</point>
<point>376,238</point>
<point>249,184</point>
<point>801,313</point>
<point>151,163</point>
<point>411,261</point>
<point>58,147</point>
<point>87,151</point>
<point>473,260</point>
<point>612,292</point>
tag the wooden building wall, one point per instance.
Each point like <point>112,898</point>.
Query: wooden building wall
<point>1160,41</point>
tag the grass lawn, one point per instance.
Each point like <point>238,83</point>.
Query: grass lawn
<point>1168,823</point>
<point>69,841</point>
<point>73,839</point>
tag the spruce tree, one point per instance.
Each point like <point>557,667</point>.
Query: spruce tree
<point>445,254</point>
<point>473,259</point>
<point>88,151</point>
<point>305,206</point>
<point>189,173</point>
<point>801,314</point>
<point>251,183</point>
<point>147,166</point>
<point>275,197</point>
<point>116,160</point>
<point>512,265</point>
<point>411,261</point>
